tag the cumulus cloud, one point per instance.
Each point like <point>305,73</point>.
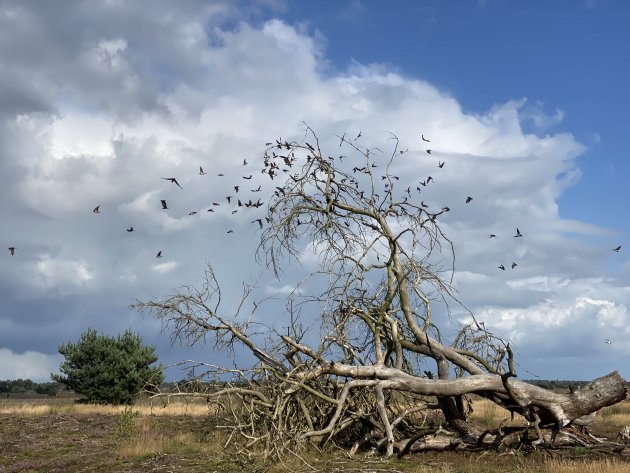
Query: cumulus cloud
<point>31,365</point>
<point>102,101</point>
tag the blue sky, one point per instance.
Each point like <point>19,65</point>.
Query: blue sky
<point>524,101</point>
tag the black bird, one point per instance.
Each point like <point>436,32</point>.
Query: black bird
<point>247,177</point>
<point>424,205</point>
<point>441,165</point>
<point>616,250</point>
<point>514,265</point>
<point>446,209</point>
<point>97,209</point>
<point>424,139</point>
<point>468,199</point>
<point>164,206</point>
<point>192,213</point>
<point>428,151</point>
<point>430,179</point>
<point>130,229</point>
<point>244,162</point>
<point>220,175</point>
<point>159,254</point>
<point>173,180</point>
<point>201,171</point>
<point>234,211</point>
<point>259,220</point>
<point>216,204</point>
<point>256,190</point>
<point>229,198</point>
<point>236,188</point>
<point>210,210</point>
<point>518,234</point>
<point>502,267</point>
<point>230,231</point>
<point>492,235</point>
<point>12,250</point>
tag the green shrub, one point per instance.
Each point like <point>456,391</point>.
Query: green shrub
<point>108,370</point>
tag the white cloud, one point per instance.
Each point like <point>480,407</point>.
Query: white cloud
<point>31,365</point>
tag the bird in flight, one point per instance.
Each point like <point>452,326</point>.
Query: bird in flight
<point>518,234</point>
<point>220,175</point>
<point>468,199</point>
<point>502,267</point>
<point>192,213</point>
<point>608,341</point>
<point>428,151</point>
<point>247,177</point>
<point>236,188</point>
<point>230,231</point>
<point>130,229</point>
<point>424,139</point>
<point>159,254</point>
<point>514,265</point>
<point>616,250</point>
<point>244,162</point>
<point>259,220</point>
<point>164,206</point>
<point>97,209</point>
<point>201,171</point>
<point>492,235</point>
<point>257,190</point>
<point>173,180</point>
<point>13,248</point>
<point>441,165</point>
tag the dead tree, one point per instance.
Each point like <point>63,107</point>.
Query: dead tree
<point>384,261</point>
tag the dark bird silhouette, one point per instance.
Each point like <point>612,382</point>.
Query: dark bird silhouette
<point>229,198</point>
<point>518,234</point>
<point>428,151</point>
<point>446,209</point>
<point>230,231</point>
<point>468,199</point>
<point>216,204</point>
<point>236,188</point>
<point>608,341</point>
<point>424,205</point>
<point>201,171</point>
<point>164,206</point>
<point>514,265</point>
<point>159,254</point>
<point>247,177</point>
<point>256,190</point>
<point>430,179</point>
<point>130,229</point>
<point>441,165</point>
<point>192,213</point>
<point>244,162</point>
<point>259,220</point>
<point>492,235</point>
<point>12,250</point>
<point>210,210</point>
<point>234,211</point>
<point>424,139</point>
<point>616,250</point>
<point>502,267</point>
<point>97,209</point>
<point>220,175</point>
<point>173,180</point>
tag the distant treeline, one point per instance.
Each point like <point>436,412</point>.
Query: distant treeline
<point>556,384</point>
<point>26,386</point>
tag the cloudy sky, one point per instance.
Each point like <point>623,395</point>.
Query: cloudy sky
<point>526,103</point>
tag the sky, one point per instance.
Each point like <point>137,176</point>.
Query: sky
<point>524,102</point>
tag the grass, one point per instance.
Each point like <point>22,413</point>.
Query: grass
<point>59,435</point>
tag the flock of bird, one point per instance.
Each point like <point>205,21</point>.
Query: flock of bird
<point>272,169</point>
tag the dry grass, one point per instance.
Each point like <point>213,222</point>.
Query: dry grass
<point>43,407</point>
<point>589,466</point>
